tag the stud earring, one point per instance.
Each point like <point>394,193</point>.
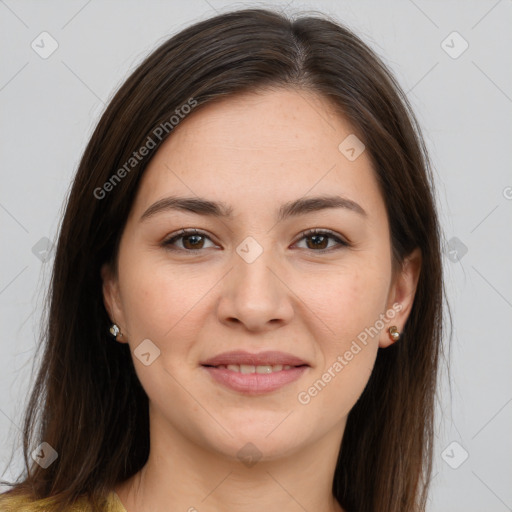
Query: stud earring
<point>393,332</point>
<point>114,330</point>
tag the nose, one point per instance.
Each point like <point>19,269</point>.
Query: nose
<point>256,294</point>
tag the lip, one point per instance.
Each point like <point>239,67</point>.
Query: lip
<point>269,357</point>
<point>255,383</point>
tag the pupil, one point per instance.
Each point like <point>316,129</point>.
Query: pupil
<point>313,237</point>
<point>193,237</point>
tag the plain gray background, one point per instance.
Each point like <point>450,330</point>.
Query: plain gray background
<point>463,100</point>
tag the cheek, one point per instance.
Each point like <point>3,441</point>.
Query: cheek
<point>157,298</point>
<point>163,304</point>
<point>350,300</point>
<point>334,391</point>
<point>353,304</point>
<point>350,305</point>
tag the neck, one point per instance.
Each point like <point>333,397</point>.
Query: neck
<point>182,475</point>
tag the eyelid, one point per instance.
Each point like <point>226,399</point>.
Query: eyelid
<point>184,232</point>
<point>340,240</point>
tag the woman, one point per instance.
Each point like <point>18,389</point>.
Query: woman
<point>247,289</point>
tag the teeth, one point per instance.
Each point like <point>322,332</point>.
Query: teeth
<point>249,368</point>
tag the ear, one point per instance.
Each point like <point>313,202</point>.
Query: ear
<point>111,298</point>
<point>401,295</point>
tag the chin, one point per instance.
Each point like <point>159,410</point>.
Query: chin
<point>256,444</point>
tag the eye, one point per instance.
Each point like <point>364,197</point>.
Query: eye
<point>320,238</point>
<point>192,240</point>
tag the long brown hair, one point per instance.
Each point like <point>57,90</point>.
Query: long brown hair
<point>87,402</point>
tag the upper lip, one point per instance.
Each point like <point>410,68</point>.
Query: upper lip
<point>269,358</point>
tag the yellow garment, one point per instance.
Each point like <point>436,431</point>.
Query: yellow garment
<point>24,504</point>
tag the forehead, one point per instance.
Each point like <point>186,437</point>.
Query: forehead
<point>263,124</point>
<point>258,148</point>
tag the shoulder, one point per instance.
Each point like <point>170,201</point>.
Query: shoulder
<point>23,503</point>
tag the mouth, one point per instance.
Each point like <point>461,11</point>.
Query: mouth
<point>250,368</point>
<point>246,359</point>
<point>255,374</point>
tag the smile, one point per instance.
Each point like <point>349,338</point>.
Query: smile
<point>254,380</point>
<point>249,368</point>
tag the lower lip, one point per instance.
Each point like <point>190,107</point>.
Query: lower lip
<point>255,383</point>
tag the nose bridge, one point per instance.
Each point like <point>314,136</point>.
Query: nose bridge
<point>253,293</point>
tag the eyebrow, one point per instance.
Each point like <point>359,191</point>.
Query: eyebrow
<point>201,206</point>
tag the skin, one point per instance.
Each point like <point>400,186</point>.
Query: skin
<point>253,152</point>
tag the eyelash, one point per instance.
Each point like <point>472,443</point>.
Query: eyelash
<point>184,233</point>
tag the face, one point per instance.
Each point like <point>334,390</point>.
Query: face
<point>255,280</point>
